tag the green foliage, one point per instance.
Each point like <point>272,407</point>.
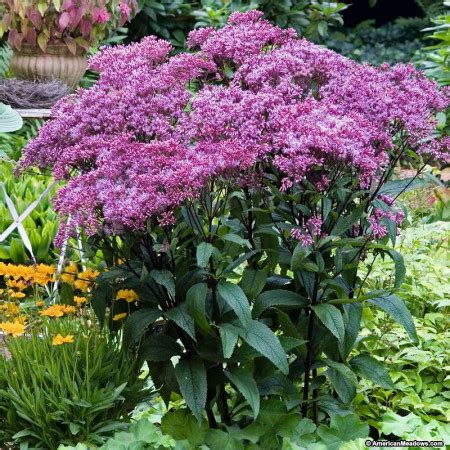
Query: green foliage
<point>41,225</point>
<point>74,392</point>
<point>275,428</point>
<point>13,143</point>
<point>393,42</point>
<point>227,319</point>
<point>437,57</point>
<point>418,372</point>
<point>173,19</point>
<point>425,251</point>
<point>5,58</point>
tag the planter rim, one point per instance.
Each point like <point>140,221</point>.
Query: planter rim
<point>53,48</point>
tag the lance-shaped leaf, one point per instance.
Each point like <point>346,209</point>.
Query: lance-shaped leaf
<point>397,309</point>
<point>343,380</point>
<point>331,317</point>
<point>400,269</point>
<point>253,281</point>
<point>262,339</point>
<point>234,296</point>
<point>196,300</point>
<point>164,278</point>
<point>204,252</point>
<point>246,385</point>
<point>191,377</point>
<point>229,335</point>
<point>373,370</point>
<point>277,297</point>
<point>137,323</point>
<point>182,318</point>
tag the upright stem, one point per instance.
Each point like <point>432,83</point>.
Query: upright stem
<point>315,396</point>
<point>309,350</point>
<point>308,362</point>
<point>224,411</point>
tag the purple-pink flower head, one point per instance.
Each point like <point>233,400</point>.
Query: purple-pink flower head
<point>155,129</point>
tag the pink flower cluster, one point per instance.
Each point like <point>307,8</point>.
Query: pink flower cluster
<point>310,231</point>
<point>154,129</point>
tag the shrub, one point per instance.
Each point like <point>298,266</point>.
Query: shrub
<point>437,58</point>
<point>236,189</point>
<point>172,20</point>
<point>73,23</point>
<point>393,42</point>
<point>64,382</point>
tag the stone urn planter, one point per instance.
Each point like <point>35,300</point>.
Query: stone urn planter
<point>30,63</point>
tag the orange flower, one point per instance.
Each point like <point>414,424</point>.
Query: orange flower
<point>40,274</point>
<point>69,274</point>
<point>14,328</point>
<point>120,316</point>
<point>10,309</point>
<point>40,303</point>
<point>19,285</point>
<point>79,300</point>
<point>127,294</point>
<point>86,279</point>
<point>57,310</point>
<point>14,294</point>
<point>59,339</point>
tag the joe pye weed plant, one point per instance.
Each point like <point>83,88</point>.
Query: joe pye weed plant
<point>236,189</point>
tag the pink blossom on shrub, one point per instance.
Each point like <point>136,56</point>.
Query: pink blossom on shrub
<point>156,128</point>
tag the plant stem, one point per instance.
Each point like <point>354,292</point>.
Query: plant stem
<point>224,411</point>
<point>211,419</point>
<point>309,350</point>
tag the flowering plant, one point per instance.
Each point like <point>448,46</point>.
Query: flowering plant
<point>236,189</point>
<point>76,23</point>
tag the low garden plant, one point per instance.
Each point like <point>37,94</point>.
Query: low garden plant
<point>234,193</point>
<point>65,381</point>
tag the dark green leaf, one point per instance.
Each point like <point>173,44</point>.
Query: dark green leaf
<point>159,347</point>
<point>253,281</point>
<point>137,323</point>
<point>246,385</point>
<point>345,222</point>
<point>164,278</point>
<point>400,269</point>
<point>331,317</point>
<point>396,308</point>
<point>354,313</point>
<point>101,296</point>
<point>229,335</point>
<point>372,369</point>
<point>204,252</point>
<point>277,297</point>
<point>182,318</point>
<point>234,296</point>
<point>195,300</point>
<point>191,377</point>
<point>299,255</point>
<point>396,187</point>
<point>343,380</point>
<point>236,239</point>
<point>262,339</point>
